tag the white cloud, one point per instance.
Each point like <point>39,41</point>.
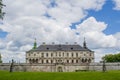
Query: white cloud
<point>25,20</point>
<point>93,31</point>
<point>117,4</point>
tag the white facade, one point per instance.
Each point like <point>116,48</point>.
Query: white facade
<point>60,58</point>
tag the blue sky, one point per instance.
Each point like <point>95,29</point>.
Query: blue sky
<point>109,16</point>
<point>60,21</point>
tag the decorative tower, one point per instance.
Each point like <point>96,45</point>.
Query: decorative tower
<point>35,44</point>
<point>0,58</point>
<point>84,44</point>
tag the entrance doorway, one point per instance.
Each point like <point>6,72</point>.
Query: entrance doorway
<point>60,69</point>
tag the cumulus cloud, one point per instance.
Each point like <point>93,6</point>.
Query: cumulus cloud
<point>117,4</point>
<point>27,19</point>
<point>93,31</point>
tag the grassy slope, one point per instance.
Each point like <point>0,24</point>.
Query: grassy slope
<point>112,75</point>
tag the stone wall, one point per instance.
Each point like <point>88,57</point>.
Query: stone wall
<point>43,67</point>
<point>99,66</point>
<point>54,67</point>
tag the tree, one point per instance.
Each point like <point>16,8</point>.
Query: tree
<point>1,11</point>
<point>0,59</point>
<point>112,57</point>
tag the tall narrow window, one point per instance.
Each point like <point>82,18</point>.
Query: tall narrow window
<point>51,54</point>
<point>59,54</point>
<point>72,54</point>
<point>46,54</point>
<point>67,61</point>
<point>47,61</point>
<point>36,60</point>
<point>56,54</point>
<point>72,61</point>
<point>51,61</point>
<point>67,54</point>
<point>63,54</point>
<point>42,54</point>
<point>76,54</point>
<point>76,61</point>
<point>42,61</point>
<point>84,54</point>
<point>90,54</point>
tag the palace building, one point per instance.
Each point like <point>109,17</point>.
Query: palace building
<point>60,57</point>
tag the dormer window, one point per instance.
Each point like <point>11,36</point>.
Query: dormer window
<point>71,48</point>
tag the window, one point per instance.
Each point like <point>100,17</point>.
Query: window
<point>76,61</point>
<point>59,54</point>
<point>63,54</point>
<point>84,54</point>
<point>51,54</point>
<point>56,61</point>
<point>83,60</point>
<point>42,61</point>
<point>67,54</point>
<point>76,54</point>
<point>42,54</point>
<point>46,61</point>
<point>72,61</point>
<point>72,54</point>
<point>46,54</point>
<point>89,60</point>
<point>71,48</point>
<point>90,54</point>
<point>36,60</point>
<point>56,54</point>
<point>30,61</point>
<point>51,61</point>
<point>67,61</point>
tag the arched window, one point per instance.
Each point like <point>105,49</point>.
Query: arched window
<point>33,61</point>
<point>36,60</point>
<point>85,60</point>
<point>89,60</point>
<point>30,61</point>
<point>82,60</point>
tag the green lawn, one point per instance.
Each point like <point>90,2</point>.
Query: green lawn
<point>111,75</point>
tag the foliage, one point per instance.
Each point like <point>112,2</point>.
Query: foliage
<point>111,75</point>
<point>0,59</point>
<point>112,58</point>
<point>1,12</point>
